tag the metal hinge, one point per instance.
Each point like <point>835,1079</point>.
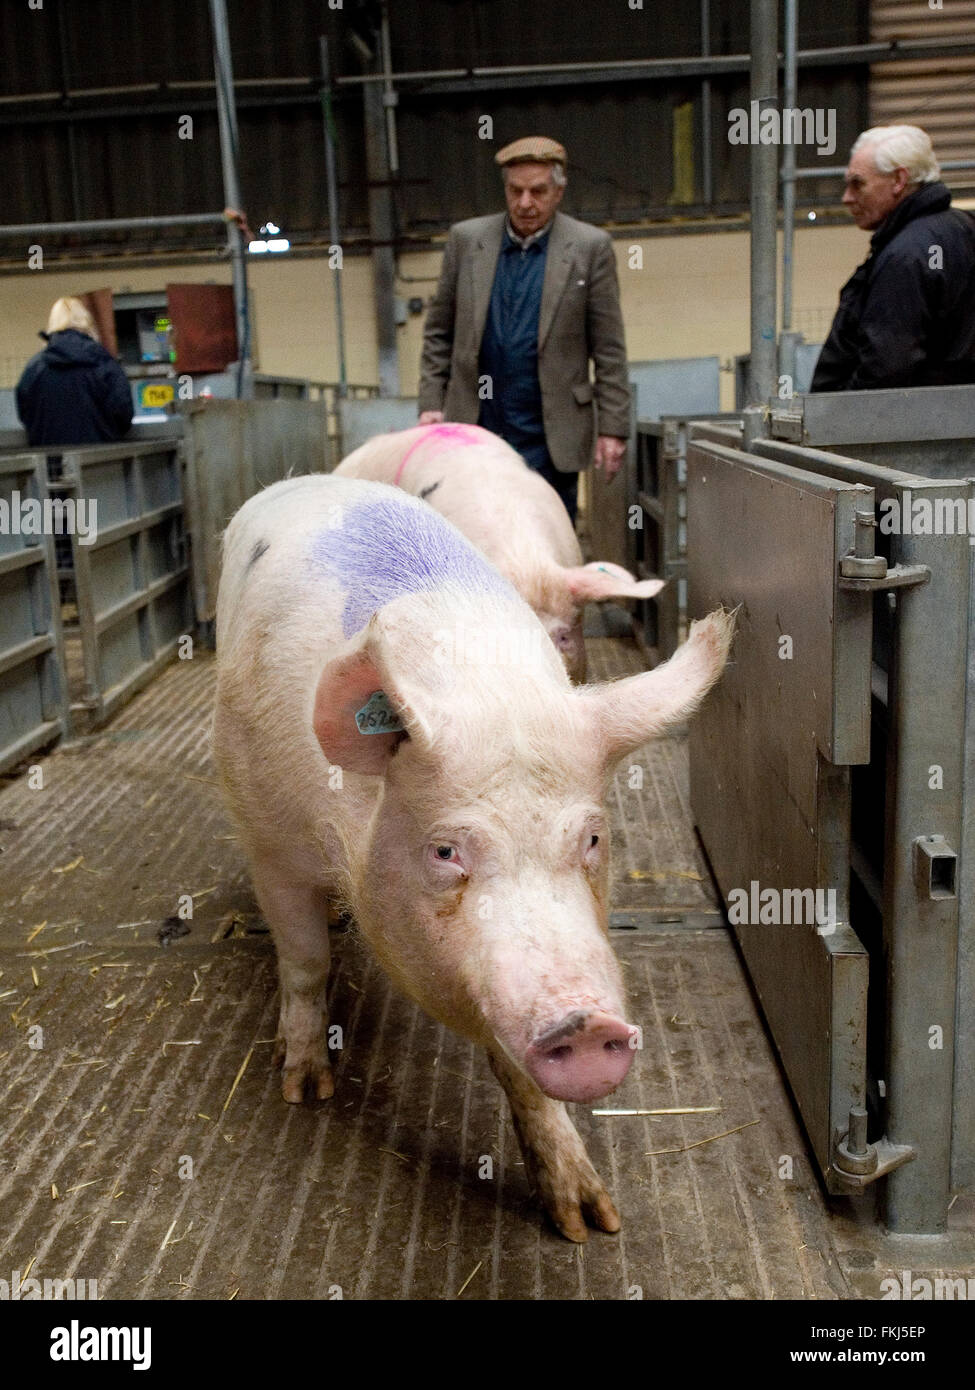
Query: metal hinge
<point>856,1163</point>
<point>787,425</point>
<point>861,573</point>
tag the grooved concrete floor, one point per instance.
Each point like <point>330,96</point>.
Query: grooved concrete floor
<point>144,1143</point>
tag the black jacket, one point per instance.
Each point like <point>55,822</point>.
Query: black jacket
<point>907,315</point>
<point>74,392</point>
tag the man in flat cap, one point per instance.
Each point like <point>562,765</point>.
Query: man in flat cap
<point>526,298</point>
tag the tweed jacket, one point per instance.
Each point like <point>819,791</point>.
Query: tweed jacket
<point>580,320</point>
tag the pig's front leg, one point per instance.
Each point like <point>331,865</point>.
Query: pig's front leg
<point>298,917</point>
<point>556,1161</point>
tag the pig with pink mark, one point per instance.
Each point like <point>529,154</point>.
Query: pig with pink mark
<point>511,514</point>
<point>395,733</point>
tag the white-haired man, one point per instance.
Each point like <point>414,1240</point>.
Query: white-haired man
<point>525,299</point>
<point>907,315</point>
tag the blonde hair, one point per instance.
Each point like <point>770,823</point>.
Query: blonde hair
<point>71,313</point>
<point>901,147</point>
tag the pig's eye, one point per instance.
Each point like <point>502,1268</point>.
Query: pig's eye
<point>439,856</point>
<point>592,849</point>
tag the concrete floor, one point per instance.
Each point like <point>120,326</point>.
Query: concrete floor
<point>144,1143</point>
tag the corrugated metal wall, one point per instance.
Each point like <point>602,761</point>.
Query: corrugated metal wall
<point>938,95</point>
<point>116,153</point>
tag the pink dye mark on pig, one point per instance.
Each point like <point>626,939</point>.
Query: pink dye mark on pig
<point>441,437</point>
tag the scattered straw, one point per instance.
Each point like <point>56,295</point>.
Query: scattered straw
<point>67,868</point>
<point>36,932</point>
<point>698,1142</point>
<point>243,1068</point>
<point>678,1110</point>
<point>468,1279</point>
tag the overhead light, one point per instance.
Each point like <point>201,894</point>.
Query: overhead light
<point>269,229</point>
<point>279,244</point>
<point>255,247</point>
<point>811,216</point>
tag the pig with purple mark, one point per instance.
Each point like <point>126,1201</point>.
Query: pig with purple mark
<point>468,836</point>
<point>510,513</point>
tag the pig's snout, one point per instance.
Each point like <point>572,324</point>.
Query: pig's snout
<point>584,1057</point>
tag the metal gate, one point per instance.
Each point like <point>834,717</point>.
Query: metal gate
<point>130,569</point>
<point>32,691</point>
<point>830,759</point>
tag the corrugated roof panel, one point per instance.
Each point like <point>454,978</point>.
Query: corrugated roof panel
<point>938,94</point>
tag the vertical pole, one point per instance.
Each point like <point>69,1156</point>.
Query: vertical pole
<point>333,208</point>
<point>707,177</point>
<point>764,201</point>
<point>381,231</point>
<point>227,117</point>
<point>790,102</point>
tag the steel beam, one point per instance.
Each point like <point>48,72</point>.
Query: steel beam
<point>227,116</point>
<point>334,229</point>
<point>382,234</point>
<point>112,224</point>
<point>764,206</point>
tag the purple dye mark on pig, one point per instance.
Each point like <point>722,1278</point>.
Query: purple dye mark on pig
<point>442,437</point>
<point>385,549</point>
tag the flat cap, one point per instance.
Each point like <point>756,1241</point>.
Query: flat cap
<point>533,149</point>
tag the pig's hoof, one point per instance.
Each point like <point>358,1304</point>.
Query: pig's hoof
<point>590,1203</point>
<point>309,1076</point>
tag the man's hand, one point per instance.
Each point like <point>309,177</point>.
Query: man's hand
<point>609,453</point>
<point>431,417</point>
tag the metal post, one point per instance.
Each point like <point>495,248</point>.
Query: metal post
<point>764,202</point>
<point>381,231</point>
<point>790,102</point>
<point>707,177</point>
<point>333,209</point>
<point>112,224</point>
<point>390,97</point>
<point>227,117</point>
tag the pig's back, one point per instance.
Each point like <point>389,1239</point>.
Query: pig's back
<point>306,564</point>
<point>480,484</point>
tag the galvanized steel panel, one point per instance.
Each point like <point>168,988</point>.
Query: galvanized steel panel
<point>769,786</point>
<point>927,942</point>
<point>361,419</point>
<point>676,386</point>
<point>33,709</point>
<point>131,581</point>
<point>233,449</point>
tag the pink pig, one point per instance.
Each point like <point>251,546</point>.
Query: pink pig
<point>511,514</point>
<point>395,732</point>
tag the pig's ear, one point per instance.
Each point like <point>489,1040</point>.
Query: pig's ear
<point>345,688</point>
<point>601,580</point>
<point>626,713</point>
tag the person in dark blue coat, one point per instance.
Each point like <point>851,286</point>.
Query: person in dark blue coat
<point>907,315</point>
<point>74,392</point>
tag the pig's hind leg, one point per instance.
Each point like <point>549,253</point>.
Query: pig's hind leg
<point>558,1167</point>
<point>297,914</point>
